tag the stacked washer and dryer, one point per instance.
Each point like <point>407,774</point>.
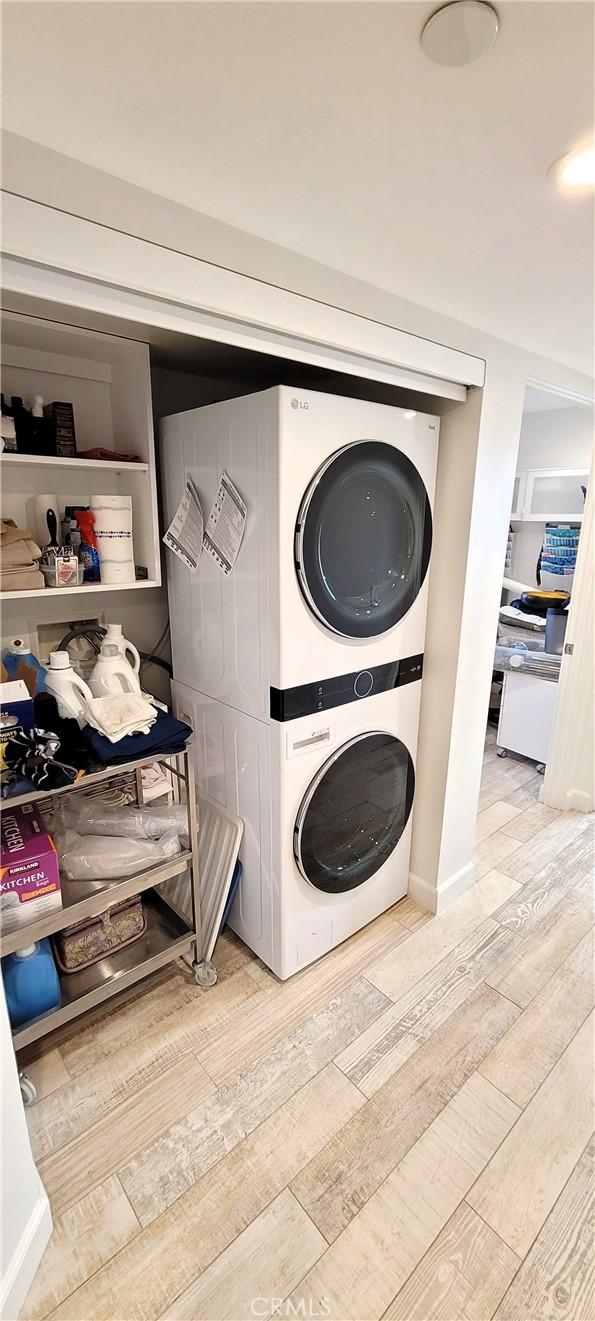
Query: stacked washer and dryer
<point>300,673</point>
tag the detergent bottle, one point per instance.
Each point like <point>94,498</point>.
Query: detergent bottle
<point>126,649</point>
<point>21,663</point>
<point>88,552</point>
<point>70,692</point>
<point>112,675</point>
<point>30,982</point>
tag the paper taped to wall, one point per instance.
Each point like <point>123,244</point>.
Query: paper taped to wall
<point>226,523</point>
<point>184,535</point>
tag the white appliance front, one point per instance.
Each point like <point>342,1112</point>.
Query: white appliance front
<point>332,573</point>
<point>326,802</point>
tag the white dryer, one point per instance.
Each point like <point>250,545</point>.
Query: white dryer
<point>332,574</point>
<point>326,800</point>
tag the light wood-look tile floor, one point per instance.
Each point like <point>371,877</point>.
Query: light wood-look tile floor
<point>403,1130</point>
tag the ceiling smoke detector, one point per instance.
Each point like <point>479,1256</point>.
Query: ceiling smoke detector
<point>460,32</point>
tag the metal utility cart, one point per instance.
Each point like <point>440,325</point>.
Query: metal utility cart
<point>167,936</point>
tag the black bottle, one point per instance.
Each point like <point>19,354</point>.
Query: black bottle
<point>22,419</point>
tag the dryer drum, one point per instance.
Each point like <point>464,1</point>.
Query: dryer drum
<point>363,539</point>
<point>354,813</point>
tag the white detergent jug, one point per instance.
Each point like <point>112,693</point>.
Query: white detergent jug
<point>126,649</point>
<point>70,692</point>
<point>112,675</point>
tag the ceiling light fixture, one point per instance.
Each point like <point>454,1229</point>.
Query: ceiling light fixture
<point>460,32</point>
<point>576,170</point>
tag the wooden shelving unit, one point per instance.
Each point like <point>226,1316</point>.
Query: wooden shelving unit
<point>108,382</point>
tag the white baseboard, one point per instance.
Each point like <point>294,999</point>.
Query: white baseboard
<point>18,1276</point>
<point>437,900</point>
<point>422,892</point>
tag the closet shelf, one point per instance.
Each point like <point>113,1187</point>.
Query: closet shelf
<point>83,899</point>
<point>166,937</point>
<point>85,589</point>
<point>52,461</point>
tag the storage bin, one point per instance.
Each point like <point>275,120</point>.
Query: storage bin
<point>78,946</point>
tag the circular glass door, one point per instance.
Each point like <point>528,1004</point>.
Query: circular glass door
<point>363,539</point>
<point>354,812</point>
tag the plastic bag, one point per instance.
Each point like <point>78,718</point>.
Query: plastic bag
<point>106,857</point>
<point>89,816</point>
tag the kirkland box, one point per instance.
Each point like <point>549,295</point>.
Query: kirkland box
<point>29,873</point>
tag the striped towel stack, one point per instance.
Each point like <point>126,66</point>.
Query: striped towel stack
<point>19,556</point>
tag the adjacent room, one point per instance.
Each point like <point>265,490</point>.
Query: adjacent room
<point>297,604</point>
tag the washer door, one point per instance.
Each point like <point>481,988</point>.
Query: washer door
<point>354,812</point>
<point>363,539</point>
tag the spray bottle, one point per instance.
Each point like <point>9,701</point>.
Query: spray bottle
<point>88,552</point>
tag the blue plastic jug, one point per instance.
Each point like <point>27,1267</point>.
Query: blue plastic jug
<point>21,663</point>
<point>30,982</point>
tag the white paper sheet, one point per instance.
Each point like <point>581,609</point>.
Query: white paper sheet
<point>184,535</point>
<point>225,527</point>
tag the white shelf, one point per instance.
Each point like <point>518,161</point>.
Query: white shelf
<point>52,461</point>
<point>86,589</point>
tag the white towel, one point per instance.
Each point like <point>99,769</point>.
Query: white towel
<point>126,713</point>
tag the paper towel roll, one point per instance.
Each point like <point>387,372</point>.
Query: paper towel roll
<point>113,571</point>
<point>113,530</point>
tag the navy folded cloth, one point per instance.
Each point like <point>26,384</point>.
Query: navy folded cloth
<point>167,735</point>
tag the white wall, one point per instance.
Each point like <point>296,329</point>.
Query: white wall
<point>479,461</point>
<point>26,1222</point>
<point>557,438</point>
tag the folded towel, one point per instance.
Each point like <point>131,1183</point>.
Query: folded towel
<point>18,553</point>
<point>100,452</point>
<point>117,717</point>
<point>167,737</point>
<point>10,532</point>
<point>26,579</point>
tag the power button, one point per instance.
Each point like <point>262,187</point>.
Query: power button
<point>363,684</point>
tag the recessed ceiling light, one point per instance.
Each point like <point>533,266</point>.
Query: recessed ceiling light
<point>460,32</point>
<point>577,169</point>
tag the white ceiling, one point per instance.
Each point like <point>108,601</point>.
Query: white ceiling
<point>323,127</point>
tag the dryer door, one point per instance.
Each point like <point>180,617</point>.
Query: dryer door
<point>363,539</point>
<point>354,812</point>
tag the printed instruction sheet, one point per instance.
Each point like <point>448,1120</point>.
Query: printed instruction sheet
<point>185,533</point>
<point>226,523</point>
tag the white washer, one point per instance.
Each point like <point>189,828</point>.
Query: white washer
<point>326,802</point>
<point>332,574</point>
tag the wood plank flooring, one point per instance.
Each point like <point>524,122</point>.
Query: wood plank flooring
<point>403,1130</point>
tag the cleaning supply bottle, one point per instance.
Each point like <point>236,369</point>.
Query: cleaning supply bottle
<point>70,692</point>
<point>88,552</point>
<point>38,441</point>
<point>30,982</point>
<point>126,649</point>
<point>21,663</point>
<point>112,675</point>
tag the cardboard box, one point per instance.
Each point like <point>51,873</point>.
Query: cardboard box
<point>29,871</point>
<point>61,433</point>
<point>16,712</point>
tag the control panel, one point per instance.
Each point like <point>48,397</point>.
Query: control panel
<point>313,698</point>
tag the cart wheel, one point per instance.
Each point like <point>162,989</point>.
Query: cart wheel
<point>502,752</point>
<point>540,768</point>
<point>205,973</point>
<point>28,1090</point>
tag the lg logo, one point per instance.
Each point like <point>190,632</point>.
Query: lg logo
<point>300,403</point>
